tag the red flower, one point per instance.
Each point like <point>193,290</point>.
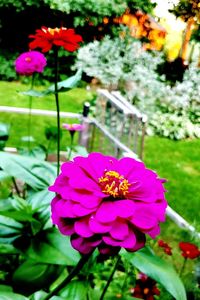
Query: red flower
<point>145,288</point>
<point>45,38</point>
<point>189,250</point>
<point>162,244</point>
<point>167,249</point>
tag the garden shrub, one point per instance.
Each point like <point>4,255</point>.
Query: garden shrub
<point>173,111</point>
<point>7,71</point>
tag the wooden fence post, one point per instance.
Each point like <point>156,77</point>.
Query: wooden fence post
<point>85,133</point>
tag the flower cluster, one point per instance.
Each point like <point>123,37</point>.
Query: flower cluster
<point>145,288</point>
<point>45,38</point>
<point>107,203</point>
<point>167,249</point>
<point>189,250</point>
<point>30,62</point>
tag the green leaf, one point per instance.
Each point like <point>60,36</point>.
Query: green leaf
<point>3,175</point>
<point>9,230</point>
<point>75,290</point>
<point>33,93</point>
<point>39,295</point>
<point>8,249</point>
<point>77,150</point>
<point>62,243</point>
<point>11,296</point>
<point>9,239</point>
<point>5,204</point>
<point>57,250</point>
<point>4,131</point>
<point>31,276</point>
<point>21,216</point>
<point>37,174</point>
<point>5,288</point>
<point>67,84</point>
<point>36,152</point>
<point>40,200</point>
<point>10,223</point>
<point>158,269</point>
<point>36,226</point>
<point>4,134</point>
<point>111,296</point>
<point>63,86</point>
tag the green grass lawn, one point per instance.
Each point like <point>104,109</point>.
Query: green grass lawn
<point>71,101</point>
<point>177,161</point>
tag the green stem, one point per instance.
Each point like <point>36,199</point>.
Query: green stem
<point>183,266</point>
<point>58,109</point>
<point>73,273</point>
<point>29,119</point>
<point>47,149</point>
<point>110,278</point>
<point>124,285</point>
<point>71,146</point>
<point>16,186</point>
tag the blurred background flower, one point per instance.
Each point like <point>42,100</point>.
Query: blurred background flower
<point>145,288</point>
<point>30,62</point>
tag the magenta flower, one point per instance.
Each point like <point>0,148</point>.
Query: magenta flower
<point>73,127</point>
<point>30,62</point>
<point>107,203</point>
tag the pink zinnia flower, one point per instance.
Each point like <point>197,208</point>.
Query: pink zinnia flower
<point>107,203</point>
<point>73,127</point>
<point>30,62</point>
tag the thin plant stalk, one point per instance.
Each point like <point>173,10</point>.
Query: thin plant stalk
<point>16,186</point>
<point>71,144</point>
<point>110,278</point>
<point>29,119</point>
<point>48,148</point>
<point>183,266</point>
<point>71,275</point>
<point>58,109</point>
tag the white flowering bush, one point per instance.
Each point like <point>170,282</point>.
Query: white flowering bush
<point>173,111</point>
<point>173,126</point>
<point>114,61</point>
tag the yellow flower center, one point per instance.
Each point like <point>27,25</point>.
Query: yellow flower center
<point>52,31</point>
<point>146,290</point>
<point>28,59</point>
<point>114,184</point>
